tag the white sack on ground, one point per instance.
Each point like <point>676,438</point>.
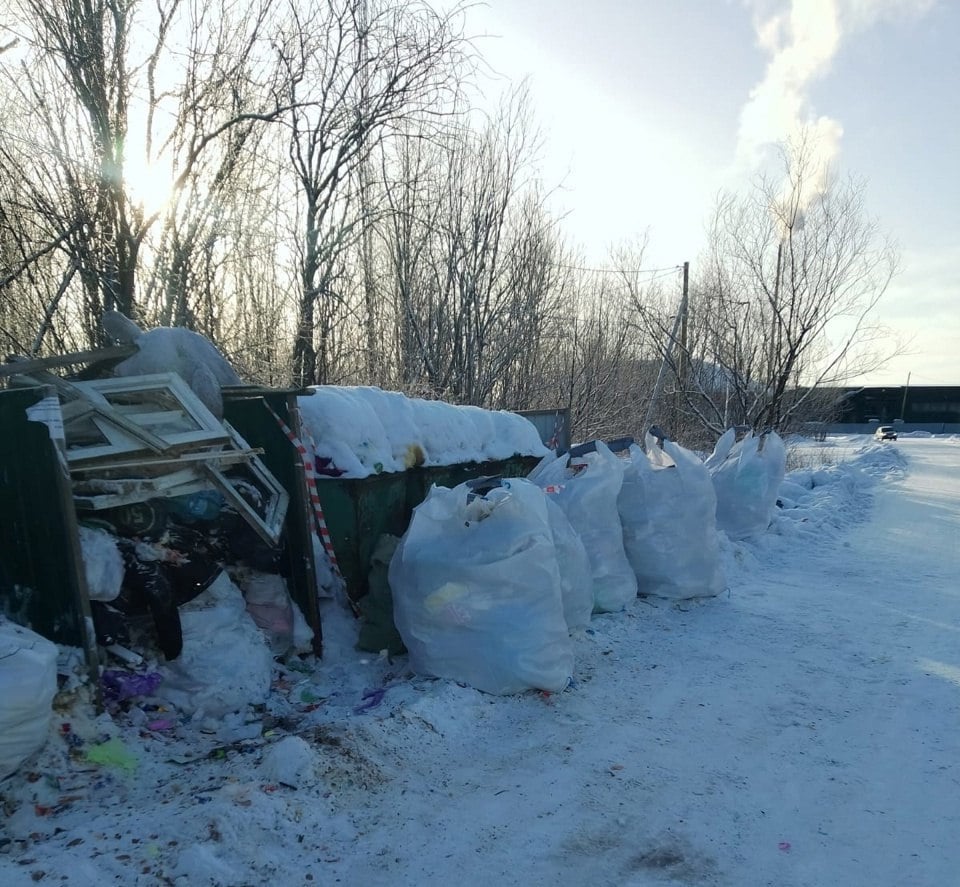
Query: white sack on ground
<point>576,583</point>
<point>476,590</point>
<point>587,491</point>
<point>746,477</point>
<point>28,683</point>
<point>275,613</point>
<point>668,511</point>
<point>102,564</point>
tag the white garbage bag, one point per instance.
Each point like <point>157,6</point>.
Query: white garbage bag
<point>28,683</point>
<point>476,590</point>
<point>668,511</point>
<point>587,489</point>
<point>746,477</point>
<point>576,580</point>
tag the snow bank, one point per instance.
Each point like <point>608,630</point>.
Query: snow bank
<point>815,504</point>
<point>364,431</point>
<point>226,662</point>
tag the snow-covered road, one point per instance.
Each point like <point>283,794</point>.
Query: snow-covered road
<point>801,729</point>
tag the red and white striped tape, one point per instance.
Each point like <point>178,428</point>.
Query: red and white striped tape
<point>306,456</point>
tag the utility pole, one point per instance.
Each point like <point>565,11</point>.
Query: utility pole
<point>684,304</point>
<point>903,405</point>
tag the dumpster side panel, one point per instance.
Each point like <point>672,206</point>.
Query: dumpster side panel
<point>42,582</point>
<point>359,510</point>
<point>259,428</point>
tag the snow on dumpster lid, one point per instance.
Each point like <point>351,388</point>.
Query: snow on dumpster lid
<point>364,431</point>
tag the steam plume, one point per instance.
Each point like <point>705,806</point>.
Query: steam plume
<point>802,37</point>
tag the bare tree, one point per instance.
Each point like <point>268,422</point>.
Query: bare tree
<point>355,69</point>
<point>785,297</point>
<point>103,81</point>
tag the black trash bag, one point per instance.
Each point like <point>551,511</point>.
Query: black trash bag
<point>155,586</point>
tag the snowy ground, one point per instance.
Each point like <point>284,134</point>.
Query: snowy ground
<point>801,729</point>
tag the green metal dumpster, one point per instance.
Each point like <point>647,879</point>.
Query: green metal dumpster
<point>42,578</point>
<point>254,412</point>
<point>359,510</point>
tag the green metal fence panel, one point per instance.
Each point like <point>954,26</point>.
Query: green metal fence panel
<point>42,581</point>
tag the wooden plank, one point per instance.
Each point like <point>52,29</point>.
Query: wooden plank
<point>99,501</point>
<point>18,367</point>
<point>222,457</point>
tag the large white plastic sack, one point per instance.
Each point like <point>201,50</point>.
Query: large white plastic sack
<point>476,590</point>
<point>668,511</point>
<point>28,683</point>
<point>576,582</point>
<point>587,490</point>
<point>178,350</point>
<point>746,477</point>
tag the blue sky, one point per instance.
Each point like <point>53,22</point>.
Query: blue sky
<point>649,108</point>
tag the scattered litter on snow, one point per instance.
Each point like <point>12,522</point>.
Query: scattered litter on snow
<point>806,703</point>
<point>226,662</point>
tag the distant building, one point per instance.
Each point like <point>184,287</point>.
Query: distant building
<point>922,404</point>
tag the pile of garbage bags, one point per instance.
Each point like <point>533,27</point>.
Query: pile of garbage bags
<point>493,576</point>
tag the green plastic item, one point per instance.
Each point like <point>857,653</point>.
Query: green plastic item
<point>112,753</point>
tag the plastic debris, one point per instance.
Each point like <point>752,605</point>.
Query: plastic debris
<point>120,685</point>
<point>112,753</point>
<point>372,698</point>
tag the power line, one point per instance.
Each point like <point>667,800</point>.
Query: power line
<point>659,272</point>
